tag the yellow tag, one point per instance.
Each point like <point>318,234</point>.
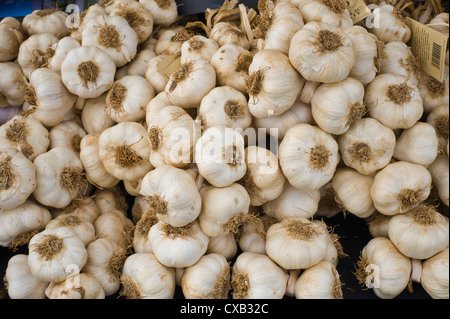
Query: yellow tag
<point>429,47</point>
<point>358,10</point>
<point>169,65</point>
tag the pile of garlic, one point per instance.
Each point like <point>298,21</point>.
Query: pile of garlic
<point>120,179</point>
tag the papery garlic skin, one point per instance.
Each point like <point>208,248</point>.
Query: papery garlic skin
<point>79,286</point>
<point>208,278</point>
<point>256,276</point>
<point>439,170</point>
<point>367,146</point>
<point>320,281</point>
<point>178,247</point>
<point>318,59</point>
<point>390,25</point>
<point>393,101</point>
<point>12,84</point>
<point>144,277</point>
<point>336,118</point>
<point>399,187</point>
<point>383,268</point>
<point>273,85</point>
<point>21,282</point>
<point>308,156</point>
<point>420,233</point>
<point>296,243</point>
<point>53,252</point>
<point>434,277</point>
<point>173,194</point>
<point>164,13</point>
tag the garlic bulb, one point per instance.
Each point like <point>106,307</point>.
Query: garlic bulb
<point>178,247</point>
<point>420,233</point>
<point>231,63</point>
<point>112,198</point>
<point>152,74</point>
<point>308,90</point>
<point>439,170</point>
<point>378,224</point>
<point>53,253</point>
<point>144,277</point>
<point>172,194</point>
<point>352,191</point>
<point>293,202</point>
<point>230,215</point>
<point>138,17</point>
<point>59,177</point>
<point>434,276</point>
<point>440,22</point>
<point>434,93</point>
<point>296,243</point>
<point>208,278</point>
<point>400,187</point>
<point>139,64</point>
<point>12,84</point>
<point>419,144</point>
<point>321,281</point>
<point>82,227</point>
<point>264,179</point>
<point>80,19</point>
<point>313,152</point>
<point>438,118</point>
<point>62,48</point>
<point>226,33</point>
<point>18,180</point>
<point>93,165</point>
<point>170,40</point>
<point>83,207</point>
<point>46,21</point>
<point>224,245</point>
<point>128,98</point>
<point>327,206</point>
<point>88,71</point>
<point>367,56</point>
<point>113,35</point>
<point>11,37</point>
<point>36,51</point>
<point>252,236</point>
<point>278,23</point>
<point>93,116</point>
<point>390,25</point>
<point>79,286</point>
<point>273,85</point>
<point>141,242</point>
<point>105,262</point>
<point>124,150</point>
<point>164,12</point>
<point>20,223</point>
<point>256,276</point>
<point>20,282</point>
<point>333,12</point>
<point>159,102</point>
<point>190,83</point>
<point>393,101</point>
<point>198,47</point>
<point>67,134</point>
<point>116,227</point>
<point>322,53</point>
<point>367,146</point>
<point>172,135</point>
<point>225,106</point>
<point>336,118</point>
<point>399,59</point>
<point>383,268</point>
<point>220,156</point>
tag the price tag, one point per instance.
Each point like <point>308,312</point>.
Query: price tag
<point>358,10</point>
<point>169,65</point>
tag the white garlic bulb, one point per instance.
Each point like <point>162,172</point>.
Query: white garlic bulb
<point>125,151</point>
<point>20,281</point>
<point>172,194</point>
<point>390,25</point>
<point>12,84</point>
<point>434,276</point>
<point>420,233</point>
<point>62,48</point>
<point>313,152</point>
<point>46,21</point>
<point>400,187</point>
<point>322,53</point>
<point>111,198</point>
<point>378,224</point>
<point>333,12</point>
<point>170,39</point>
<point>144,277</point>
<point>53,253</point>
<point>154,76</point>
<point>439,170</point>
<point>11,37</point>
<point>226,33</point>
<point>399,59</point>
<point>67,134</point>
<point>225,245</point>
<point>273,84</point>
<point>321,281</point>
<point>93,116</point>
<point>139,65</point>
<point>178,247</point>
<point>367,146</point>
<point>438,118</point>
<point>84,207</point>
<point>164,12</point>
<point>79,286</point>
<point>105,262</point>
<point>141,242</point>
<point>208,278</point>
<point>297,243</point>
<point>116,227</point>
<point>82,227</point>
<point>256,276</point>
<point>198,47</point>
<point>434,93</point>
<point>393,101</point>
<point>252,235</point>
<point>383,268</point>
